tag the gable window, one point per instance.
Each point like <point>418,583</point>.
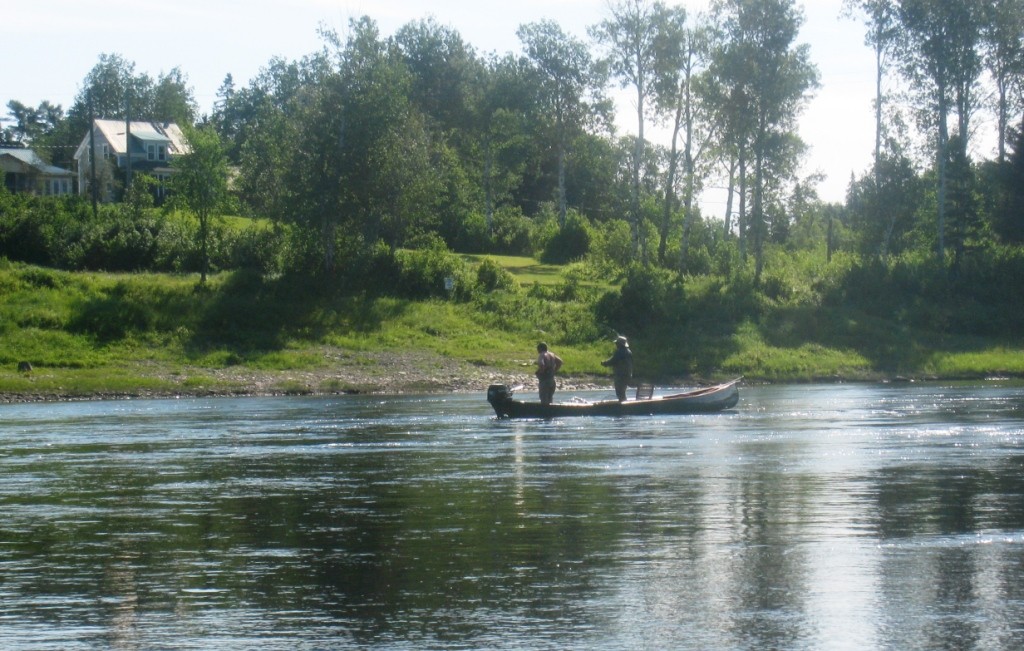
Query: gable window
<point>161,153</point>
<point>151,152</point>
<point>106,151</point>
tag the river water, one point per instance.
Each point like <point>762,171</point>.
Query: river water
<point>809,517</point>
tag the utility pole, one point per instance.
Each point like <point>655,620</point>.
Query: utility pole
<point>92,156</point>
<point>128,143</point>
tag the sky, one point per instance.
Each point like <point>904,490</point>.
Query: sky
<point>56,43</point>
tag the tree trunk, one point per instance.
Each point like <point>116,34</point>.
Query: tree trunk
<point>943,112</point>
<point>670,192</point>
<point>741,221</point>
<point>730,193</point>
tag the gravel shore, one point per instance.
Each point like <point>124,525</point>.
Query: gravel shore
<point>369,373</point>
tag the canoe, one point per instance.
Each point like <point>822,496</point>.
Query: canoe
<point>703,400</point>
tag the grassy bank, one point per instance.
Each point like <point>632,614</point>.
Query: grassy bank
<point>90,334</point>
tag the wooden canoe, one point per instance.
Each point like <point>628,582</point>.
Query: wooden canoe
<point>703,400</point>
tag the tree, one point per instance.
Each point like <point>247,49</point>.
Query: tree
<point>443,67</point>
<point>407,188</point>
<point>882,23</point>
<point>769,78</point>
<point>884,204</point>
<point>351,134</point>
<point>445,75</point>
<point>32,124</point>
<point>172,99</point>
<point>503,107</point>
<point>225,118</point>
<point>259,125</point>
<point>940,58</point>
<point>567,77</point>
<point>636,42</point>
<point>200,183</point>
<point>678,94</point>
<point>1009,222</point>
<point>113,91</point>
<point>1003,42</point>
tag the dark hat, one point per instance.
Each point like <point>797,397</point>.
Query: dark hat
<point>621,340</point>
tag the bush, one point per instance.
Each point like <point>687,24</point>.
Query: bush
<point>63,232</point>
<point>491,276</point>
<point>510,232</point>
<point>613,244</point>
<point>649,298</point>
<point>571,242</point>
<point>472,237</point>
<point>256,248</point>
<point>426,273</point>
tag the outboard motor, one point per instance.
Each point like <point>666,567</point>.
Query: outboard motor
<point>498,395</point>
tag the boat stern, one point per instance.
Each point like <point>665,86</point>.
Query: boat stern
<point>499,395</point>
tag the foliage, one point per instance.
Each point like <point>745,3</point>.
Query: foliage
<point>648,299</point>
<point>63,233</point>
<point>491,276</point>
<point>571,242</point>
<point>511,232</point>
<point>200,184</point>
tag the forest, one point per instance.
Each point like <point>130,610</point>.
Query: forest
<point>381,164</point>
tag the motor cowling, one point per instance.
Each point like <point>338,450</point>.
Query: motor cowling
<point>500,396</point>
<point>498,393</point>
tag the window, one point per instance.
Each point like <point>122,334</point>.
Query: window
<point>151,152</point>
<point>106,151</point>
<point>162,153</point>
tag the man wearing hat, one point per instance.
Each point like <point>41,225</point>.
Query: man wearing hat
<point>621,362</point>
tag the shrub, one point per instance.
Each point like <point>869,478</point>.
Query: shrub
<point>425,273</point>
<point>613,244</point>
<point>491,276</point>
<point>510,231</point>
<point>649,297</point>
<point>570,242</point>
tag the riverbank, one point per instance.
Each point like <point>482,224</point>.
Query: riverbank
<point>382,373</point>
<point>368,373</point>
<point>92,335</point>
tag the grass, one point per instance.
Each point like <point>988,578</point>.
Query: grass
<point>96,333</point>
<point>525,270</point>
<point>995,361</point>
<point>805,362</point>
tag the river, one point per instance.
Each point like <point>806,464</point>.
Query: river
<point>810,517</point>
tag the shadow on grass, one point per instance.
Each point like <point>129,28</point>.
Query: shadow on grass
<point>889,344</point>
<point>249,314</point>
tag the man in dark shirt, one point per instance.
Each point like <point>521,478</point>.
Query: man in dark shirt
<point>621,362</point>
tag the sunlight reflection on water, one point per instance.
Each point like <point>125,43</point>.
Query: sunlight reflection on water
<point>810,517</point>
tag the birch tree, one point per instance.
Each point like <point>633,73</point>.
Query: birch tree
<point>632,38</point>
<point>567,76</point>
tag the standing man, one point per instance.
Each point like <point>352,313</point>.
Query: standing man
<point>548,364</point>
<point>621,362</point>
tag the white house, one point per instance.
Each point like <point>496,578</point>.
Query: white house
<point>24,171</point>
<point>149,146</point>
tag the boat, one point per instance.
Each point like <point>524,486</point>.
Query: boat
<point>703,400</point>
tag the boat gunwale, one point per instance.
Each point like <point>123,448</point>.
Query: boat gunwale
<point>710,399</point>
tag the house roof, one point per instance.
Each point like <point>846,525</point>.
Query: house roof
<point>31,159</point>
<point>116,135</point>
